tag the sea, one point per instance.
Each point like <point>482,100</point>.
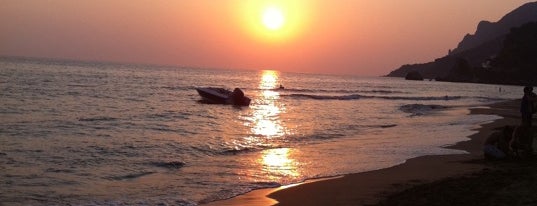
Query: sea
<point>93,133</point>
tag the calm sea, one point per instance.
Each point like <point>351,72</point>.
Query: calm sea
<point>115,134</point>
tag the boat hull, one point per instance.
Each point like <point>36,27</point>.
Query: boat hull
<point>214,95</point>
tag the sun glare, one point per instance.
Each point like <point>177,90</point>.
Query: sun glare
<point>269,79</point>
<point>273,18</point>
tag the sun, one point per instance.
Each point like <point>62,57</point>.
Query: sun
<point>273,18</point>
<point>274,21</point>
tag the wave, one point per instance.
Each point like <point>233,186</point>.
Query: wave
<point>378,91</point>
<point>325,97</point>
<point>130,176</point>
<point>419,98</point>
<point>358,96</point>
<point>226,149</point>
<point>133,99</point>
<point>166,128</point>
<point>384,92</point>
<point>83,85</point>
<point>169,115</point>
<point>290,90</point>
<point>176,88</point>
<point>169,165</point>
<point>382,126</point>
<point>54,170</point>
<point>421,109</point>
<point>491,99</point>
<point>266,184</point>
<point>237,151</point>
<point>94,119</point>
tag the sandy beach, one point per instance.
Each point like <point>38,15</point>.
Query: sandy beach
<point>429,180</point>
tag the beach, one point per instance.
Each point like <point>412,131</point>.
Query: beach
<point>427,180</point>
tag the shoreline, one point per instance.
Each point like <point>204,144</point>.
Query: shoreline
<point>372,187</point>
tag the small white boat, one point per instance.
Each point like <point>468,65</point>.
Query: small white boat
<point>215,95</point>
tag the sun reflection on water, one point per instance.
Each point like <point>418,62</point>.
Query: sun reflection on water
<point>266,116</point>
<point>267,124</point>
<point>269,79</point>
<point>278,163</point>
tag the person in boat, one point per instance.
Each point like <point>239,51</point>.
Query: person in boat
<point>498,144</point>
<point>281,87</point>
<point>237,96</point>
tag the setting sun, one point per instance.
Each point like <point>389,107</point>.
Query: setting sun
<point>276,20</point>
<point>273,18</point>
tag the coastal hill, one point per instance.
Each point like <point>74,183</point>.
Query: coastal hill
<point>487,31</point>
<point>491,55</point>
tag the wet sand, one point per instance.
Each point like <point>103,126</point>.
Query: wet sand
<point>465,179</point>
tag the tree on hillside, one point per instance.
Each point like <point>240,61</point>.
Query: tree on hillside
<point>519,54</point>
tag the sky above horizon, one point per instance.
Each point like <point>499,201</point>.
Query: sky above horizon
<point>358,37</point>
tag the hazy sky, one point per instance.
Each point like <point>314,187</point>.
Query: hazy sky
<point>363,37</point>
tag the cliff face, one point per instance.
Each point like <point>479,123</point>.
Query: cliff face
<point>482,57</point>
<point>487,31</point>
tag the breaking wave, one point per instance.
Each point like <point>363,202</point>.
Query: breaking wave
<point>325,97</point>
<point>358,96</point>
<point>421,109</point>
<point>169,165</point>
<point>377,91</point>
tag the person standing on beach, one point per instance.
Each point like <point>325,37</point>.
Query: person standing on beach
<point>527,106</point>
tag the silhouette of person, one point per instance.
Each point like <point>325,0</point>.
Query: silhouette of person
<point>237,96</point>
<point>527,106</point>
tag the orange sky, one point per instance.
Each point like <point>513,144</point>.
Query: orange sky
<point>361,37</point>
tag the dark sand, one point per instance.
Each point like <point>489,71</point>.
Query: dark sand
<point>430,180</point>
